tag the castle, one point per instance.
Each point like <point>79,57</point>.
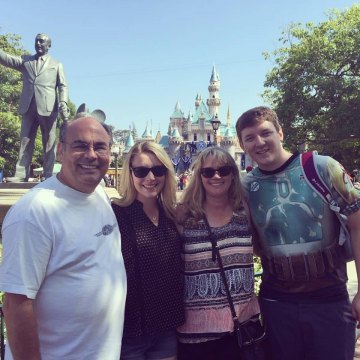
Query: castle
<point>188,135</point>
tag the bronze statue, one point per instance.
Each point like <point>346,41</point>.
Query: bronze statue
<point>44,95</point>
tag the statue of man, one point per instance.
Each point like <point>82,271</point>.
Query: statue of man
<point>44,94</point>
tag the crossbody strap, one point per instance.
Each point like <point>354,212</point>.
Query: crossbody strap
<point>314,179</point>
<point>216,252</point>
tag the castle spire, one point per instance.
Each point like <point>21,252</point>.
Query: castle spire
<point>213,102</point>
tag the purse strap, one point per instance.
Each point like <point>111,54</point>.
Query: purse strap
<point>216,254</point>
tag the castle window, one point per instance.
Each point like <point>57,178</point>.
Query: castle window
<point>208,137</point>
<point>195,136</point>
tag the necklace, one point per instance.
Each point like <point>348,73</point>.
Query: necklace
<point>155,220</point>
<point>153,215</point>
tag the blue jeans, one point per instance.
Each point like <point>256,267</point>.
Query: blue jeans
<point>303,331</point>
<point>151,347</point>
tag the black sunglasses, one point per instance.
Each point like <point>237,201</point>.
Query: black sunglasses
<point>209,172</point>
<point>142,171</point>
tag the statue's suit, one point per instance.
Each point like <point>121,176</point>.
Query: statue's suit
<point>43,87</point>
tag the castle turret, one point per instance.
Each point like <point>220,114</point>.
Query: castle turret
<point>129,143</point>
<point>197,101</point>
<point>158,136</point>
<point>177,118</point>
<point>213,102</point>
<point>228,141</point>
<point>147,134</point>
<point>175,141</point>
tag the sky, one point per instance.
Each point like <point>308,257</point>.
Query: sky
<point>134,59</point>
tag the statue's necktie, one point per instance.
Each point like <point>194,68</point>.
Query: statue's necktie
<point>38,65</point>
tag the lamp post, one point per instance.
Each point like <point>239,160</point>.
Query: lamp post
<point>115,149</point>
<point>215,123</point>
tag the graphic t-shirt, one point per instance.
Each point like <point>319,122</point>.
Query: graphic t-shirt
<point>292,219</point>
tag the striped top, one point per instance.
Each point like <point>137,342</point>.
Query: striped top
<point>207,310</point>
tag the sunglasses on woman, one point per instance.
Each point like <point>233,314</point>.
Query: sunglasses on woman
<point>209,172</point>
<point>142,171</point>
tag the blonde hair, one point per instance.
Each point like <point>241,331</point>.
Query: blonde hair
<point>127,189</point>
<point>194,195</point>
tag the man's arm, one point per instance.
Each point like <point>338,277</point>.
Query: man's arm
<point>354,228</point>
<point>10,60</point>
<point>62,93</point>
<point>21,327</point>
<point>61,84</point>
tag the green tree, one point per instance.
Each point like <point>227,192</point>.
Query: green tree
<point>315,85</point>
<point>9,140</point>
<point>2,163</point>
<point>10,80</point>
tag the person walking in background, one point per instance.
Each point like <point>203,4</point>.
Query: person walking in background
<point>62,270</point>
<point>151,248</point>
<point>303,294</point>
<point>44,94</point>
<point>212,205</point>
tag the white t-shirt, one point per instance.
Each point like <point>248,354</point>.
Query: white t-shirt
<point>62,248</point>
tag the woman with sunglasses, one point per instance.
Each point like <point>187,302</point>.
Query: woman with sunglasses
<point>212,215</point>
<point>151,251</point>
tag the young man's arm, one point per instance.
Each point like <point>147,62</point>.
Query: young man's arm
<point>354,227</point>
<point>21,327</point>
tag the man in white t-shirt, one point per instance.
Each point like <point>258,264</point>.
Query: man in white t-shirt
<point>62,272</point>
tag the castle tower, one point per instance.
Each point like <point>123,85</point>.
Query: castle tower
<point>147,135</point>
<point>197,101</point>
<point>228,142</point>
<point>213,102</point>
<point>177,118</point>
<point>129,143</point>
<point>175,141</point>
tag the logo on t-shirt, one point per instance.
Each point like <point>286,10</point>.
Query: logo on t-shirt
<point>106,230</point>
<point>254,186</point>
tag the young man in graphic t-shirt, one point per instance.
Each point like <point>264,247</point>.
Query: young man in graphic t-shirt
<point>303,294</point>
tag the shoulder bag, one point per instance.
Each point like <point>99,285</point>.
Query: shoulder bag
<point>250,335</point>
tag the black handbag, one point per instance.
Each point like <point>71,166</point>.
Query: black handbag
<point>250,334</point>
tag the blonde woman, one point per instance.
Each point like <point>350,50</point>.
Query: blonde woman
<point>151,251</point>
<point>212,215</point>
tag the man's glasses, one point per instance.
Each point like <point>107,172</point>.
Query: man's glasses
<point>142,171</point>
<point>81,148</point>
<point>209,172</point>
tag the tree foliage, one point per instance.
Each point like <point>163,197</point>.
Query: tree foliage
<point>10,80</point>
<point>315,85</point>
<point>9,140</point>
